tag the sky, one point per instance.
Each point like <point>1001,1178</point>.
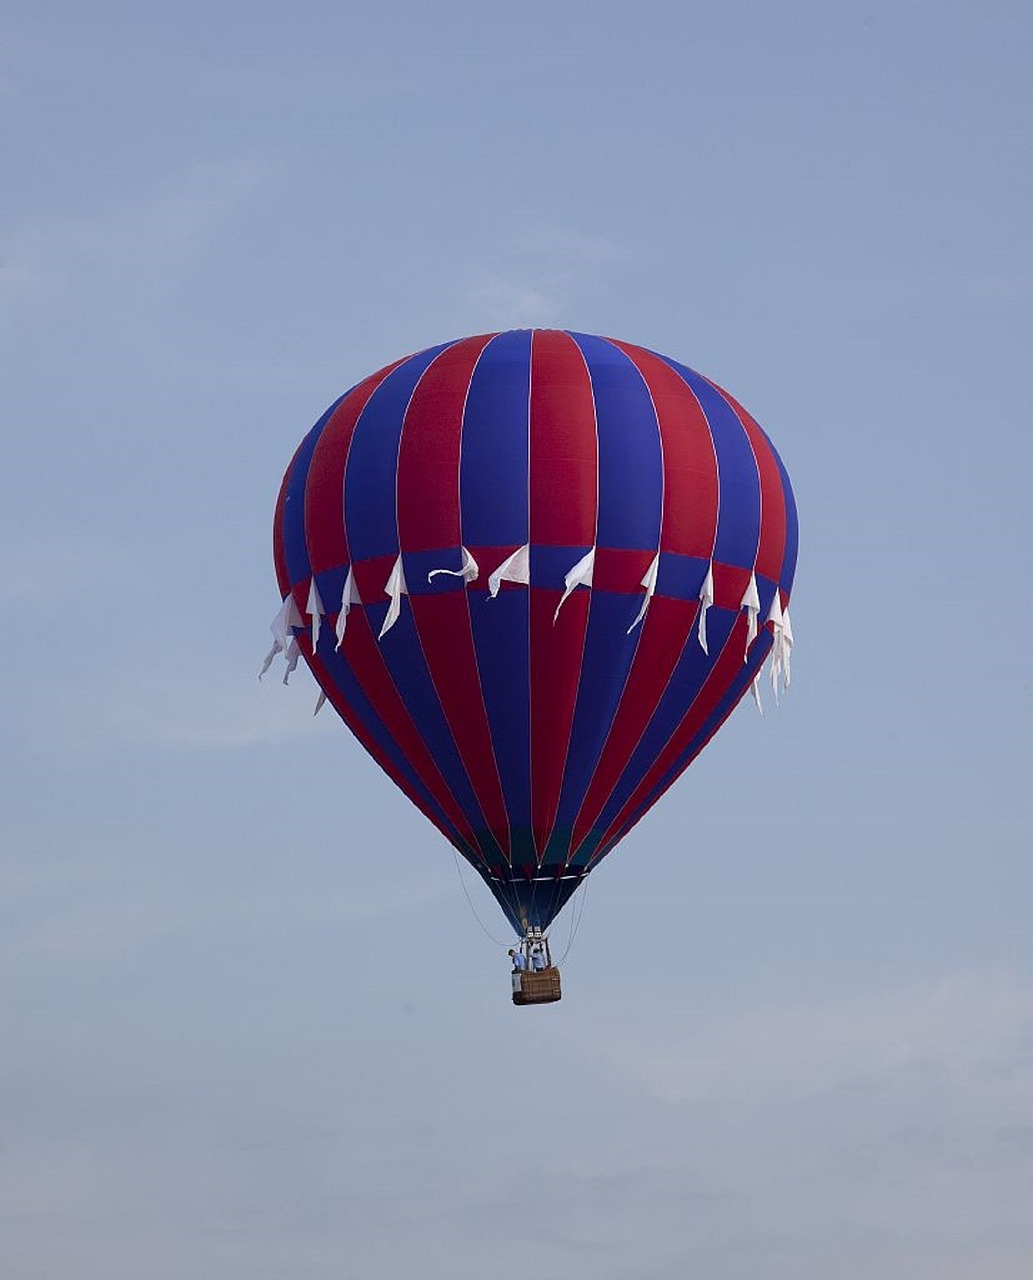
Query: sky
<point>251,1024</point>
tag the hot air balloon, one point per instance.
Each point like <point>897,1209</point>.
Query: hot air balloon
<point>534,572</point>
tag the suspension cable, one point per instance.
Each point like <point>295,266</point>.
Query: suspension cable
<point>484,929</point>
<point>576,924</point>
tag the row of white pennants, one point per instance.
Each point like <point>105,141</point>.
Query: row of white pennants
<point>517,568</point>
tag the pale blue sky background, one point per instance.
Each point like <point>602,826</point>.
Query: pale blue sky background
<point>797,1039</point>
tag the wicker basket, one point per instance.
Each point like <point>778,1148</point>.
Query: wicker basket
<point>542,987</point>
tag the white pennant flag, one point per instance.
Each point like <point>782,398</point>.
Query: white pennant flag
<point>315,609</point>
<point>579,576</point>
<point>775,612</point>
<point>267,662</point>
<point>293,652</point>
<point>515,568</point>
<point>706,599</point>
<point>469,572</point>
<point>778,644</point>
<point>349,596</point>
<point>755,690</point>
<point>751,603</point>
<point>649,582</point>
<point>281,626</point>
<point>319,703</point>
<point>787,647</point>
<point>395,588</point>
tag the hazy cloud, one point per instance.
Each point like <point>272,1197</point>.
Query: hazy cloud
<point>952,1029</point>
<point>140,245</point>
<point>540,274</point>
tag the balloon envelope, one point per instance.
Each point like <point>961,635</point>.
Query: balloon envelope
<point>534,572</point>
